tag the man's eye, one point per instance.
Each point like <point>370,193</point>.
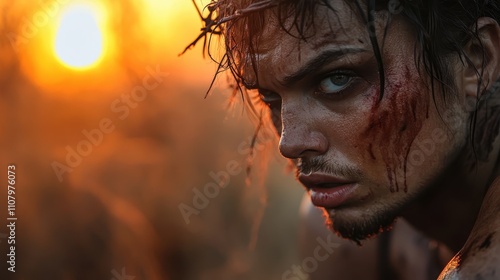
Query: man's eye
<point>334,83</point>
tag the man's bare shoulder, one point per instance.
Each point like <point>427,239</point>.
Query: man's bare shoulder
<point>480,256</point>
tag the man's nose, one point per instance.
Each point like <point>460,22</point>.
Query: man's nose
<point>299,136</point>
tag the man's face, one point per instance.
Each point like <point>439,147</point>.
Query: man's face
<point>361,155</point>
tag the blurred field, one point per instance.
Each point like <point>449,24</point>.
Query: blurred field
<point>116,214</point>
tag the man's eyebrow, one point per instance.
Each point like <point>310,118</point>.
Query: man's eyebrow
<point>318,62</point>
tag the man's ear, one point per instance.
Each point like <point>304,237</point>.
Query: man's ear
<point>483,57</point>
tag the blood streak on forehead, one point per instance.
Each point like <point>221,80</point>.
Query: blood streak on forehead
<point>394,123</point>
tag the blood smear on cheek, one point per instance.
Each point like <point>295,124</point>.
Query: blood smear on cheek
<point>394,122</point>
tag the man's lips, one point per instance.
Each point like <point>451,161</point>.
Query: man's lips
<point>327,191</point>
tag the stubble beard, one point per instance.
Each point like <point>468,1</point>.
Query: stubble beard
<point>361,227</point>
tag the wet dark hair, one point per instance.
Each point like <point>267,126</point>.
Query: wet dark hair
<point>443,28</point>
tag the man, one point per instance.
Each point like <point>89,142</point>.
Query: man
<point>388,109</point>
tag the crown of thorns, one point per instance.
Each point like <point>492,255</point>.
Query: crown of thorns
<point>213,21</point>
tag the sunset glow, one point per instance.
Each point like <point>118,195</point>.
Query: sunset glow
<point>79,40</point>
<point>97,47</point>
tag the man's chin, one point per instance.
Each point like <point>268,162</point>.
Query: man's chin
<point>361,226</point>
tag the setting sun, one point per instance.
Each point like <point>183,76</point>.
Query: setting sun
<point>79,42</point>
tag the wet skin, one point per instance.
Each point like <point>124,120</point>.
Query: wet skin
<point>326,103</point>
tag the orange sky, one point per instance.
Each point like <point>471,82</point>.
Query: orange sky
<point>136,34</point>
